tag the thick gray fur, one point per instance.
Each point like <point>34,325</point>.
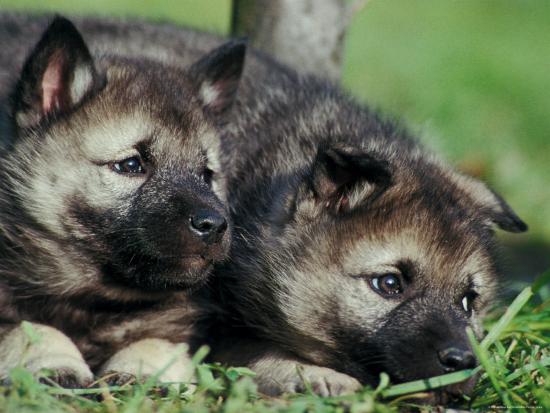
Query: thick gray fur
<point>326,197</point>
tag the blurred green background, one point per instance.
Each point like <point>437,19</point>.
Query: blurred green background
<point>471,77</point>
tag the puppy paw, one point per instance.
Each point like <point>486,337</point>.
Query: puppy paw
<point>298,378</point>
<point>68,378</point>
<point>114,378</point>
<point>323,382</point>
<point>148,357</point>
<point>49,355</point>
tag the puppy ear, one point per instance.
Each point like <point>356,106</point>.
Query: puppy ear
<point>504,216</point>
<point>342,177</point>
<point>57,75</point>
<point>492,205</point>
<point>217,76</point>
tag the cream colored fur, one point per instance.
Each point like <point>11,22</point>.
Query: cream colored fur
<point>150,356</point>
<point>277,373</point>
<point>50,349</point>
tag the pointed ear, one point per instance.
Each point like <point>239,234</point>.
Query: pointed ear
<point>342,177</point>
<point>504,216</point>
<point>496,208</point>
<point>56,76</point>
<point>217,76</point>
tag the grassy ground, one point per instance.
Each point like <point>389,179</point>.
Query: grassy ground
<point>514,375</point>
<point>472,78</point>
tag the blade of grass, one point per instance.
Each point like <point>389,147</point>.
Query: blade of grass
<point>507,317</point>
<point>545,361</point>
<point>429,384</point>
<point>483,357</point>
<point>61,391</point>
<point>383,384</point>
<point>200,355</point>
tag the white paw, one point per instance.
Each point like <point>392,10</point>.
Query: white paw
<point>48,349</point>
<point>322,381</point>
<point>149,357</point>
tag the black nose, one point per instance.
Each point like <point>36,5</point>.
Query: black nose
<point>209,225</point>
<point>454,359</point>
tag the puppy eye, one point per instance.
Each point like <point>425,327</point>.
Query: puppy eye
<point>131,165</point>
<point>468,300</point>
<point>207,176</point>
<point>387,284</point>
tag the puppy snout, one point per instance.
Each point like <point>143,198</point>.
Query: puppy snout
<point>454,359</point>
<point>208,225</point>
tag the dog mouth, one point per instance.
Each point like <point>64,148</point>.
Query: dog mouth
<point>193,264</point>
<point>160,273</point>
<point>192,261</point>
<point>189,269</point>
<point>196,265</point>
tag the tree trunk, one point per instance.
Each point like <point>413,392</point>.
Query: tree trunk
<point>306,34</point>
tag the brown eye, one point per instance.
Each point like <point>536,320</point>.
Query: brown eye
<point>387,284</point>
<point>129,166</point>
<point>467,301</point>
<point>207,176</point>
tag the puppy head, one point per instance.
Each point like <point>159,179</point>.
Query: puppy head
<point>117,159</point>
<point>388,256</point>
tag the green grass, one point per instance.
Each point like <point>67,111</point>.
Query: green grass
<point>514,372</point>
<point>472,77</point>
<point>212,15</point>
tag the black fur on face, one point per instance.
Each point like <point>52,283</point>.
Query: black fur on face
<point>408,344</point>
<point>153,245</point>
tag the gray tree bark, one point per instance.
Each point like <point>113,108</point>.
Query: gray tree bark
<point>306,34</point>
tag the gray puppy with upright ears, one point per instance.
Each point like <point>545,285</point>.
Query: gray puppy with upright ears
<point>111,201</point>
